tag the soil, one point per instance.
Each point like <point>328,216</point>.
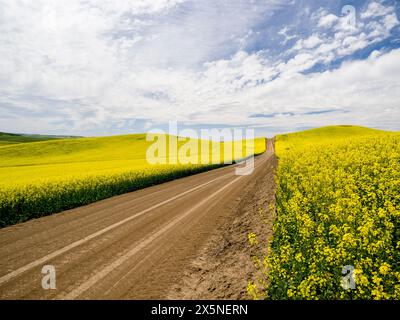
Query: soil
<point>225,265</point>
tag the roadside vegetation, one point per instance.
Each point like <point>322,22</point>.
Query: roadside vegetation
<point>337,205</point>
<point>40,178</point>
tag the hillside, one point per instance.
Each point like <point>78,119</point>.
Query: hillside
<point>26,163</point>
<point>322,135</point>
<point>337,206</point>
<point>41,178</point>
<point>16,138</point>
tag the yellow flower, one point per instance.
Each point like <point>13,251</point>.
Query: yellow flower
<point>337,200</point>
<point>252,237</point>
<point>299,257</point>
<point>384,269</point>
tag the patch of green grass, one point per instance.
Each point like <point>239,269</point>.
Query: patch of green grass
<point>15,138</point>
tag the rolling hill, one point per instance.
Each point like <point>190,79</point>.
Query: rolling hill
<point>40,178</point>
<point>337,208</point>
<point>322,135</point>
<point>16,138</point>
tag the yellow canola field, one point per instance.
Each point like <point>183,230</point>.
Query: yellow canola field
<point>41,178</point>
<point>337,227</point>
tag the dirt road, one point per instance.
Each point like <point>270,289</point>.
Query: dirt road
<point>133,246</point>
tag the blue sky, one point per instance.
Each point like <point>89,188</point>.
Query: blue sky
<point>105,67</point>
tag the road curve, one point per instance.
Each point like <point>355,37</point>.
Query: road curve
<point>131,246</point>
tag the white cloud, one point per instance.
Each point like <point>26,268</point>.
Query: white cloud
<point>362,88</point>
<point>337,37</point>
<point>76,66</point>
<point>376,9</point>
<point>309,43</point>
<point>390,21</point>
<point>284,32</point>
<point>327,20</point>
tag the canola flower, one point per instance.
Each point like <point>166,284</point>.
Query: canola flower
<point>338,204</point>
<point>21,202</point>
<point>41,178</point>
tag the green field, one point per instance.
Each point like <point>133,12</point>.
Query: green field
<point>14,138</point>
<point>40,178</point>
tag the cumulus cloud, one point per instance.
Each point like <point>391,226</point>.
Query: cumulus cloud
<point>309,43</point>
<point>363,88</point>
<point>284,32</point>
<point>107,66</point>
<point>376,9</point>
<point>327,20</point>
